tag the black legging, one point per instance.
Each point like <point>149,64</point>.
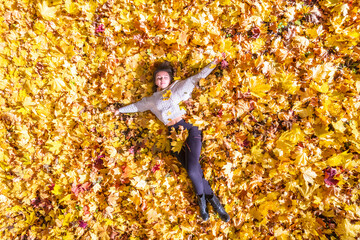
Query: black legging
<point>189,158</point>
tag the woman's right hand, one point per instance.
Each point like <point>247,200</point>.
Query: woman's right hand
<point>217,60</point>
<point>113,109</point>
<point>117,112</point>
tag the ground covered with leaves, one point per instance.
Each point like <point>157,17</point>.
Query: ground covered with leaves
<point>280,118</point>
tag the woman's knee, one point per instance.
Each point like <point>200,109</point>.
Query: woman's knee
<point>195,134</point>
<point>194,173</point>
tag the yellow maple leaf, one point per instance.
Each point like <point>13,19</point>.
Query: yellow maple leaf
<point>31,217</point>
<point>3,62</point>
<point>166,95</point>
<point>301,157</point>
<point>212,66</point>
<point>183,38</point>
<point>71,7</point>
<point>309,175</point>
<point>68,236</point>
<point>66,198</point>
<point>288,140</point>
<point>54,146</point>
<point>324,72</point>
<point>39,27</point>
<point>257,45</point>
<point>225,2</point>
<point>339,159</point>
<point>288,81</point>
<point>323,88</point>
<point>28,102</point>
<point>48,13</point>
<point>19,61</point>
<point>258,86</point>
<point>228,170</point>
<point>256,153</point>
<point>57,189</point>
<point>307,191</point>
<point>178,138</point>
<point>171,38</point>
<point>57,84</point>
<point>152,215</point>
<point>347,230</point>
<point>339,126</point>
<point>67,219</point>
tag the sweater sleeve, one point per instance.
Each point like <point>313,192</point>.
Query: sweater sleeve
<point>140,106</point>
<point>185,87</point>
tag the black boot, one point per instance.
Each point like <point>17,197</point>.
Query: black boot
<point>218,207</point>
<point>203,208</point>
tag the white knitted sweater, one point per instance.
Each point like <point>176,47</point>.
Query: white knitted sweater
<point>165,103</point>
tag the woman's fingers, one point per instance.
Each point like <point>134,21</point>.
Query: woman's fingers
<point>220,57</point>
<point>110,108</point>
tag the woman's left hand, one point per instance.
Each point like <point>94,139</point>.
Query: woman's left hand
<point>217,60</point>
<point>111,108</point>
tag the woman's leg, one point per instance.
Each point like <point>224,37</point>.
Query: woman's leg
<point>189,157</point>
<point>180,156</point>
<point>192,154</point>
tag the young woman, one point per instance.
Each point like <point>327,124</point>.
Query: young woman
<point>165,105</point>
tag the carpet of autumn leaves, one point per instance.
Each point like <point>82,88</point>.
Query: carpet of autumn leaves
<point>280,118</point>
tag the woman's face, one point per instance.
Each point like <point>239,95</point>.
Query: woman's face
<point>162,79</point>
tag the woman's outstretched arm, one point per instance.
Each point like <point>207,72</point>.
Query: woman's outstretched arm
<point>184,88</point>
<point>203,73</point>
<point>140,106</point>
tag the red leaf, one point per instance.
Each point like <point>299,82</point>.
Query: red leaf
<point>42,203</point>
<point>82,224</point>
<point>99,163</point>
<point>224,64</point>
<point>100,28</point>
<point>80,188</point>
<point>329,176</point>
<point>36,202</point>
<point>86,186</point>
<point>155,168</point>
<point>255,32</point>
<point>52,187</point>
<point>75,189</point>
<point>86,210</point>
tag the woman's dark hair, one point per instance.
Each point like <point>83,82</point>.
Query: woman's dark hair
<point>166,67</point>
